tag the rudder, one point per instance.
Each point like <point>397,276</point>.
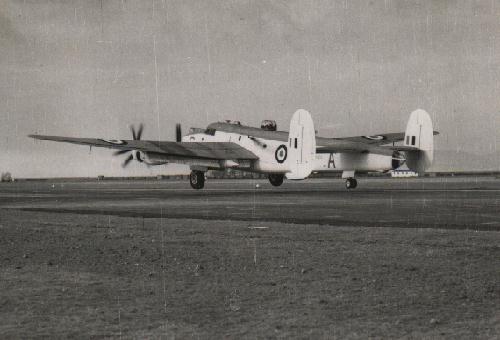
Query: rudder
<point>419,134</point>
<point>302,144</point>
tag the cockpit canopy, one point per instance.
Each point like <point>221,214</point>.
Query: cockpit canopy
<point>210,131</point>
<point>227,126</point>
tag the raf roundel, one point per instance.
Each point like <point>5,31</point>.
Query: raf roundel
<point>374,137</point>
<point>281,154</point>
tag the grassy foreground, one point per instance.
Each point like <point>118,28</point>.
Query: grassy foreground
<point>68,275</point>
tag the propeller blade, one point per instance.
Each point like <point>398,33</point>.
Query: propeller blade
<point>132,129</point>
<point>120,152</point>
<point>139,132</point>
<point>178,133</point>
<point>127,161</point>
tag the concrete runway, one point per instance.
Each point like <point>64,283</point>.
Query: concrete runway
<point>450,203</point>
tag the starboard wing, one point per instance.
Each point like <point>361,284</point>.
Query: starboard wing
<point>208,150</point>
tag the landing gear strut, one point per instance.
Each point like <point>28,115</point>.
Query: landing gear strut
<point>276,179</point>
<point>197,179</point>
<point>351,183</point>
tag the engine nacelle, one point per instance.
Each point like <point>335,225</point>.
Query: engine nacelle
<point>151,158</point>
<point>398,160</point>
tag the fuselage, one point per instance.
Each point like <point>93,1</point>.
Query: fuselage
<point>271,148</point>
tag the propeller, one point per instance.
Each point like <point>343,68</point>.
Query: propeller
<point>136,135</point>
<point>178,133</point>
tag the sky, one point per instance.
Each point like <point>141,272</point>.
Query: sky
<point>93,68</point>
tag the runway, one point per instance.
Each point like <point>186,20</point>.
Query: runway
<point>450,203</point>
<point>242,259</point>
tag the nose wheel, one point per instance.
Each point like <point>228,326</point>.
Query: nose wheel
<point>351,183</point>
<point>197,179</point>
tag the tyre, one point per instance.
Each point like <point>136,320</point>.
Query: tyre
<point>276,179</point>
<point>197,179</point>
<point>351,183</point>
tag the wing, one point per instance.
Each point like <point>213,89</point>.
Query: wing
<point>209,150</point>
<point>334,145</point>
<point>365,144</point>
<point>381,139</point>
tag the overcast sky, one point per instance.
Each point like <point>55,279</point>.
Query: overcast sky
<point>91,68</point>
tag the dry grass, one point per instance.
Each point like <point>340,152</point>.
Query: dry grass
<point>65,275</point>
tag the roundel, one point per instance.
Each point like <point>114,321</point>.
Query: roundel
<point>114,141</point>
<point>281,153</point>
<point>374,137</point>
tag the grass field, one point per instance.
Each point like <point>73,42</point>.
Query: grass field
<point>76,275</point>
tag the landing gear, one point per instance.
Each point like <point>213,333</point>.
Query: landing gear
<point>197,179</point>
<point>351,183</point>
<point>276,179</point>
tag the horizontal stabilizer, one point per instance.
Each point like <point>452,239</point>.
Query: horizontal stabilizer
<point>403,148</point>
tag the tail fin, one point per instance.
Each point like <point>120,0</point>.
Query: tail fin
<point>302,144</point>
<point>419,134</point>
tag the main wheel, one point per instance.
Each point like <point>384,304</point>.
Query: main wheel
<point>276,179</point>
<point>197,179</point>
<point>351,183</point>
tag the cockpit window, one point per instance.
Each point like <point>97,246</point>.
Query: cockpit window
<point>210,131</point>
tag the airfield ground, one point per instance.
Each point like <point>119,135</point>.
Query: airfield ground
<point>415,258</point>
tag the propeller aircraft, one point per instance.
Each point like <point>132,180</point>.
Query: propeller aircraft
<point>293,155</point>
